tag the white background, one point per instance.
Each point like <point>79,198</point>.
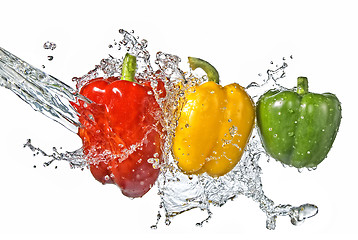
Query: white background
<point>240,40</point>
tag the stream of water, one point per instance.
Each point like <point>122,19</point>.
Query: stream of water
<point>178,192</point>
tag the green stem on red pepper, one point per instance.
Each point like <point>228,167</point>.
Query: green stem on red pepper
<point>302,85</point>
<point>210,71</point>
<point>129,67</point>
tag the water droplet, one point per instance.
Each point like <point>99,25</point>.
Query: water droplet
<point>291,134</point>
<point>275,135</point>
<point>50,58</point>
<point>150,93</point>
<point>279,113</point>
<point>270,129</point>
<point>49,45</point>
<point>187,125</point>
<point>301,213</point>
<point>229,120</point>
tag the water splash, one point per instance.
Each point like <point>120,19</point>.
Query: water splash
<point>43,92</point>
<point>179,193</point>
<point>76,159</point>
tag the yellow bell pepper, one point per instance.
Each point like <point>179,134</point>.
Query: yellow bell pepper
<point>214,126</point>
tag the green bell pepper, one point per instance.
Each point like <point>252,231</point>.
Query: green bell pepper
<point>298,128</point>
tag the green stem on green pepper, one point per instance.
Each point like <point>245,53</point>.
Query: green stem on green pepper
<point>210,71</point>
<point>129,68</point>
<point>302,85</point>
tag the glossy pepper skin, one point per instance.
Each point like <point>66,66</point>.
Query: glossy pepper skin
<point>298,128</point>
<point>214,125</point>
<point>122,131</point>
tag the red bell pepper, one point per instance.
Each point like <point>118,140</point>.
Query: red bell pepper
<point>122,133</point>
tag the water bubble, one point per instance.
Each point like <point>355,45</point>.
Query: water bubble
<point>300,214</point>
<point>167,222</point>
<point>50,58</point>
<point>49,45</point>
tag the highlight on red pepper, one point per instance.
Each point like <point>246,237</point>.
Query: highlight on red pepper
<point>298,128</point>
<point>214,127</point>
<point>122,134</point>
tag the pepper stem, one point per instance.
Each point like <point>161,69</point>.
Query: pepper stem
<point>302,85</point>
<point>210,71</point>
<point>129,67</point>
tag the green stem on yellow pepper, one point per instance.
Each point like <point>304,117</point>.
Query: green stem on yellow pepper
<point>129,67</point>
<point>210,71</point>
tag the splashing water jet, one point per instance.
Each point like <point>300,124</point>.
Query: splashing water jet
<point>178,192</point>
